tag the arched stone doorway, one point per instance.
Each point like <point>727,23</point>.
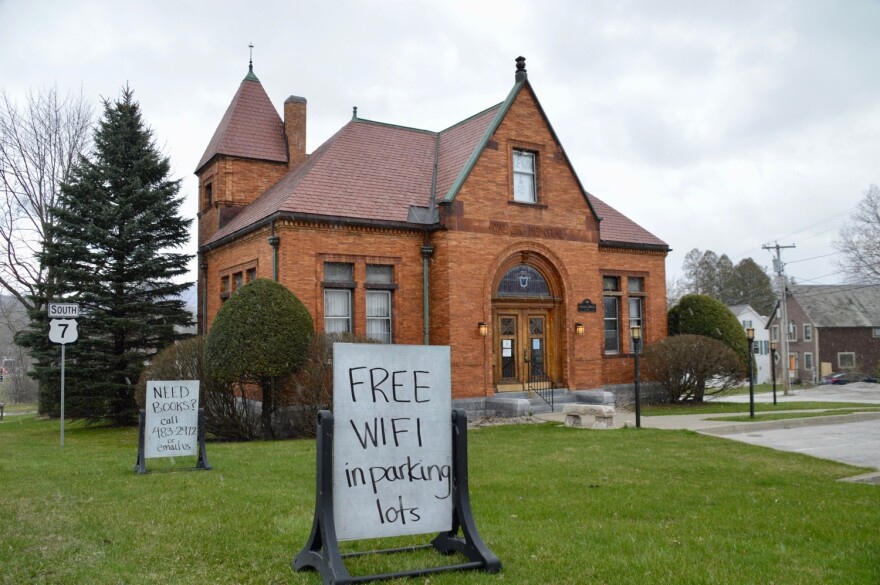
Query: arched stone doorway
<point>527,320</point>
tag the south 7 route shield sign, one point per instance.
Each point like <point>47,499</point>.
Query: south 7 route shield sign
<point>62,322</point>
<point>63,331</point>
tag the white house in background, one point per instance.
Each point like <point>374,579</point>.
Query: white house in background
<point>748,317</point>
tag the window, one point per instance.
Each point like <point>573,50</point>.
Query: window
<point>612,337</point>
<point>224,287</point>
<point>774,333</point>
<point>379,315</point>
<point>876,332</point>
<point>237,281</point>
<point>808,361</point>
<point>337,311</point>
<point>338,282</point>
<point>792,331</point>
<point>756,347</point>
<point>523,281</point>
<point>524,183</point>
<point>846,360</point>
<point>747,323</point>
<point>250,275</point>
<point>635,318</point>
<point>379,302</point>
<point>808,332</point>
<point>765,347</point>
<point>209,195</point>
<point>611,306</point>
<point>635,284</point>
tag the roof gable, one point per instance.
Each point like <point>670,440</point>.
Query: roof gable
<point>250,128</point>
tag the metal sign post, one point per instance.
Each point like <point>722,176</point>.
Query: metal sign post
<point>63,331</point>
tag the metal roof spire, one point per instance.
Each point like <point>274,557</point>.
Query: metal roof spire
<point>250,76</point>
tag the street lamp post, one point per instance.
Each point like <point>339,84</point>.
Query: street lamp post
<point>750,335</point>
<point>636,332</point>
<point>773,345</point>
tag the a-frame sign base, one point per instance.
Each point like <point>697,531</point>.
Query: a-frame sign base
<point>322,550</point>
<point>141,466</point>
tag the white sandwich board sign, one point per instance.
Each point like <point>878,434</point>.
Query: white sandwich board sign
<point>171,428</point>
<point>392,440</point>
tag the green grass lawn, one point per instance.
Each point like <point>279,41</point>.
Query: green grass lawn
<point>556,505</point>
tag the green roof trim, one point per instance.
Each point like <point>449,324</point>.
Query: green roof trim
<point>490,130</point>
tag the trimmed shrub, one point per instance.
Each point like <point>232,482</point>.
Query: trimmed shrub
<point>690,366</point>
<point>703,315</point>
<point>259,337</point>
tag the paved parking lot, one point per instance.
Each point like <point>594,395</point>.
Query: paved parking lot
<point>856,443</point>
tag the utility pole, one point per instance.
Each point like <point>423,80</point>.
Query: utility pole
<point>779,267</point>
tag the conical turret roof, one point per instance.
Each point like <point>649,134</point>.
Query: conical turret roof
<point>250,128</point>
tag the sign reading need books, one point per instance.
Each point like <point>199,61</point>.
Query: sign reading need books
<point>391,460</point>
<point>171,423</point>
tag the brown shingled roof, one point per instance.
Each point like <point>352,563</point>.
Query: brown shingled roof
<point>616,228</point>
<point>369,171</point>
<point>250,128</point>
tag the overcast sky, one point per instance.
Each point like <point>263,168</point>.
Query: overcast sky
<point>715,125</point>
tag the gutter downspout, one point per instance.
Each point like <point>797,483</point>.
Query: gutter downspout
<point>274,241</point>
<point>427,248</point>
<point>204,267</point>
<point>427,252</point>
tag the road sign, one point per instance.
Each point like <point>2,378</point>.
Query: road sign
<point>63,331</point>
<point>63,310</point>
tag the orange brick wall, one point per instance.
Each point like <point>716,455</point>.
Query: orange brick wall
<point>235,182</point>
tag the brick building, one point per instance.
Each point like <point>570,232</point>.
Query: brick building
<point>831,328</point>
<point>480,237</point>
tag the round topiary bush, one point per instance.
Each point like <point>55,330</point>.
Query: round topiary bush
<point>260,336</point>
<point>704,315</point>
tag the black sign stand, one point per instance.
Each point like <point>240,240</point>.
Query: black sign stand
<point>322,550</point>
<point>202,463</point>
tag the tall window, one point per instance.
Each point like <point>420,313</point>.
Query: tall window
<point>808,332</point>
<point>774,333</point>
<point>524,177</point>
<point>611,305</point>
<point>337,301</point>
<point>379,303</point>
<point>808,361</point>
<point>792,331</point>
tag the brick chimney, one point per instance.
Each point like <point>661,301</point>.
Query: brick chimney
<point>295,130</point>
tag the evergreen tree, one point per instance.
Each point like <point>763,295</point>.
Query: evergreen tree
<point>117,224</point>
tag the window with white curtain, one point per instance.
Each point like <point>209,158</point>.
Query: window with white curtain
<point>337,311</point>
<point>379,315</point>
<point>524,175</point>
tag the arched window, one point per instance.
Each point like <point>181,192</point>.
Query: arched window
<point>523,281</point>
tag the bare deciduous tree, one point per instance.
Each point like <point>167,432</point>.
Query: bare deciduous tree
<point>859,240</point>
<point>39,143</point>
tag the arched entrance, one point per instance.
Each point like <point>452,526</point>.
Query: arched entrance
<point>525,315</point>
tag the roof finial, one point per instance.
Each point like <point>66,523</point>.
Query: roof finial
<point>521,73</point>
<point>251,61</point>
<point>354,113</point>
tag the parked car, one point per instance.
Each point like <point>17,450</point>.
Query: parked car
<point>837,379</point>
<point>847,377</point>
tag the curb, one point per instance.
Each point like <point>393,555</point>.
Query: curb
<point>791,423</point>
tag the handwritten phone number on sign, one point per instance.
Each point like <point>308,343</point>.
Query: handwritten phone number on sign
<point>165,432</point>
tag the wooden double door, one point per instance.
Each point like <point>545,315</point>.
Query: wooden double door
<point>524,347</point>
